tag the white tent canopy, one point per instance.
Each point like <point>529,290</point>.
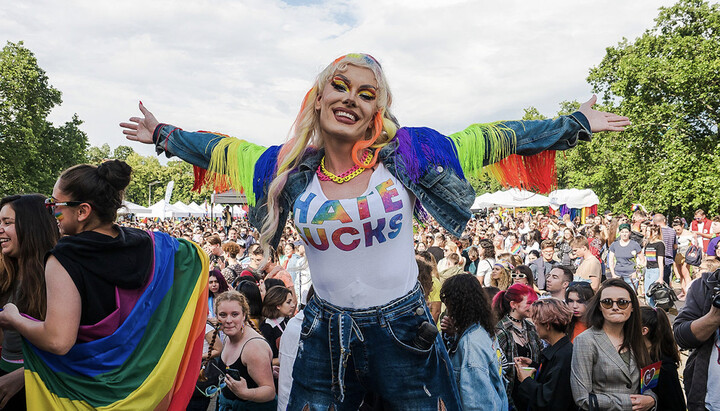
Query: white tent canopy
<point>132,208</point>
<point>185,208</point>
<point>162,209</point>
<point>573,198</point>
<point>510,198</point>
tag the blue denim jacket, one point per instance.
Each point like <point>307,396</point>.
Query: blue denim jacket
<point>476,364</point>
<point>446,196</point>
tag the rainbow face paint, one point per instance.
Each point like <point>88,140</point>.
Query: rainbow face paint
<point>58,215</point>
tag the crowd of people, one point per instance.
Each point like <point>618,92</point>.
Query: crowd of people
<point>327,296</point>
<point>512,298</point>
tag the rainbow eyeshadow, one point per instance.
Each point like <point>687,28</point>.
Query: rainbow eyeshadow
<point>339,83</point>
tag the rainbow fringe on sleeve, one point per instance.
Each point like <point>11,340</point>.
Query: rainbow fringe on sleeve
<point>232,165</point>
<point>148,361</point>
<point>535,173</point>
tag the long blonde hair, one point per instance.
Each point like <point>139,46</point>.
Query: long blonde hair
<point>305,133</point>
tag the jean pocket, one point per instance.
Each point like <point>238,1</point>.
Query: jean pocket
<point>309,324</point>
<point>404,330</point>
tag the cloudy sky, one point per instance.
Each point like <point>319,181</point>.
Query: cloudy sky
<point>241,67</point>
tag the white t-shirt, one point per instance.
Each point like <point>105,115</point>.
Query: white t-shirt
<point>360,250</point>
<point>484,268</point>
<point>287,352</point>
<point>712,397</point>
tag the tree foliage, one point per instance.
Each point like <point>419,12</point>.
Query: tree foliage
<point>34,152</point>
<point>668,82</point>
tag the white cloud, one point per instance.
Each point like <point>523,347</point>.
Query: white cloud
<point>242,67</point>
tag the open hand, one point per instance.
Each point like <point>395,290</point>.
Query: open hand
<point>141,128</point>
<point>600,120</point>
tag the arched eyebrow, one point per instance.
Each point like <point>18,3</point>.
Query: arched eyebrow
<point>348,82</point>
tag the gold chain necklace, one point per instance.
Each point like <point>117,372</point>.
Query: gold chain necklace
<point>325,175</point>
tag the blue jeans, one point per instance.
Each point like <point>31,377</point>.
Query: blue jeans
<point>632,282</point>
<point>651,275</point>
<point>345,353</point>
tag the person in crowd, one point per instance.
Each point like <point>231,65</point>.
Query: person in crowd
<point>558,280</point>
<point>344,141</point>
<point>278,307</point>
<point>701,227</point>
<point>473,351</point>
<point>622,256</point>
<point>499,244</point>
<point>685,238</point>
<point>288,254</point>
<point>213,246</point>
<point>546,385</point>
<point>697,328</point>
<point>89,316</point>
<point>232,268</point>
<point>437,249</point>
<point>714,244</point>
<point>577,296</point>
<point>473,259</point>
<point>590,269</point>
<point>27,232</point>
<point>299,269</point>
<point>516,334</point>
<point>450,248</point>
<point>227,218</point>
<point>254,296</point>
<point>500,276</point>
<point>522,274</point>
<point>542,266</point>
<point>669,238</point>
<point>532,241</point>
<point>216,286</point>
<point>607,358</point>
<point>246,359</point>
<point>434,302</point>
<point>662,348</point>
<point>486,262</point>
<point>653,257</point>
<point>564,247</point>
<point>514,246</point>
<point>454,267</point>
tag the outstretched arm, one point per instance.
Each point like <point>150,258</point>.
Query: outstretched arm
<point>484,144</point>
<point>219,154</point>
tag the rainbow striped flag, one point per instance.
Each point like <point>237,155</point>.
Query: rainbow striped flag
<point>145,355</point>
<point>649,376</point>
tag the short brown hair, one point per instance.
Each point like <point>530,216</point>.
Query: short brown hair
<point>580,241</point>
<point>547,244</point>
<point>275,296</point>
<point>553,312</point>
<point>213,240</point>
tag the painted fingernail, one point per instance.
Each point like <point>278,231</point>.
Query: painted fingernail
<point>141,102</point>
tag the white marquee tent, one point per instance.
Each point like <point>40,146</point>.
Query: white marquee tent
<point>573,198</point>
<point>510,198</point>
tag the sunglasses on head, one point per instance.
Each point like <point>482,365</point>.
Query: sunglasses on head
<point>51,203</point>
<point>608,303</point>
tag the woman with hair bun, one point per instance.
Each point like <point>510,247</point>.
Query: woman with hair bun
<point>353,178</point>
<point>126,308</point>
<point>516,334</point>
<point>27,232</point>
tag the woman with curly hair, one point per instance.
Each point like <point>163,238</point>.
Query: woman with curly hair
<point>500,276</point>
<point>474,350</point>
<point>232,268</point>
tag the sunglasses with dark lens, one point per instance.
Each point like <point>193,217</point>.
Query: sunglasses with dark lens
<point>607,303</point>
<point>518,275</point>
<point>51,203</point>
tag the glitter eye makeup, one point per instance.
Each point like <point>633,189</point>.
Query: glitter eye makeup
<point>339,84</point>
<point>367,94</point>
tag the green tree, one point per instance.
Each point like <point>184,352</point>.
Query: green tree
<point>97,155</point>
<point>668,82</point>
<point>34,152</point>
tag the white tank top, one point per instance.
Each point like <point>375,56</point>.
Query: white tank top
<point>360,250</point>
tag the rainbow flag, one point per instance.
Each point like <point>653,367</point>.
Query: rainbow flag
<point>145,355</point>
<point>649,376</point>
<point>515,249</point>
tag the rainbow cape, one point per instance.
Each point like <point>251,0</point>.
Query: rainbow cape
<point>145,355</point>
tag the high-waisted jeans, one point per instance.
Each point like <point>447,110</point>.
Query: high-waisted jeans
<point>345,353</point>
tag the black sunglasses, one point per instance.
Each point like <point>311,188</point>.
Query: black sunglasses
<point>51,203</point>
<point>608,303</point>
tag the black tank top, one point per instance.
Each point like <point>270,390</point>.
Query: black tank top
<point>237,370</point>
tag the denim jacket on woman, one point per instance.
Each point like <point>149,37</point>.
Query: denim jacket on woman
<point>439,187</point>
